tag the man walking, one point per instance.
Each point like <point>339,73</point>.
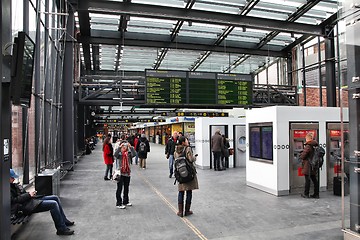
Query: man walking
<point>169,151</point>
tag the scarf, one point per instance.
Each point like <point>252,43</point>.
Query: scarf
<point>125,168</point>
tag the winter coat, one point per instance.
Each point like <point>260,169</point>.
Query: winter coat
<point>21,201</point>
<point>307,154</point>
<point>108,154</point>
<point>217,142</point>
<point>140,154</point>
<point>170,146</point>
<point>192,185</point>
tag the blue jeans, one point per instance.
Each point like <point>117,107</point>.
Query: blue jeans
<point>136,158</point>
<point>52,204</point>
<point>108,170</point>
<point>188,197</point>
<point>171,163</point>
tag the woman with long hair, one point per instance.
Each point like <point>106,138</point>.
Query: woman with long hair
<point>108,154</point>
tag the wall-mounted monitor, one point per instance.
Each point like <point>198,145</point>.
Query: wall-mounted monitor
<point>22,69</point>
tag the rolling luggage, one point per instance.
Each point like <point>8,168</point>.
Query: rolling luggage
<point>337,186</point>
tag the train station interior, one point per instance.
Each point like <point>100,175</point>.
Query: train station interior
<point>264,73</point>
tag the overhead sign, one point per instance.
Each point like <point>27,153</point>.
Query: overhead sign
<point>202,114</point>
<point>165,87</point>
<point>128,120</point>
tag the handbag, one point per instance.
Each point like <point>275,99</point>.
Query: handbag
<point>116,175</point>
<point>225,152</point>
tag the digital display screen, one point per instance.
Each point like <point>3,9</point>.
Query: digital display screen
<point>261,142</point>
<point>165,87</point>
<point>267,142</point>
<point>298,145</point>
<point>204,88</point>
<point>234,89</point>
<point>255,150</point>
<point>334,144</point>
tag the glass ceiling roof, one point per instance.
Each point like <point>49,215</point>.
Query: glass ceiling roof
<point>120,37</point>
<point>140,51</point>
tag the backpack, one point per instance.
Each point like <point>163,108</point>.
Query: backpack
<point>183,171</point>
<point>317,159</point>
<point>142,147</point>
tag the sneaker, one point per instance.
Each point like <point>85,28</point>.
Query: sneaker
<point>170,176</point>
<point>106,179</point>
<point>129,204</point>
<point>66,231</point>
<point>305,196</point>
<point>315,196</point>
<point>143,168</point>
<point>121,206</point>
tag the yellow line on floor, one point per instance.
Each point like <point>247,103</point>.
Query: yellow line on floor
<point>185,220</point>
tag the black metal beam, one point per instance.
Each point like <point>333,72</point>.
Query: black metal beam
<point>245,10</point>
<point>173,35</point>
<point>292,18</point>
<point>173,13</point>
<point>107,37</point>
<point>96,57</point>
<point>84,22</point>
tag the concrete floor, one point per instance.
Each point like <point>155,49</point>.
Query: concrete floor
<point>224,207</point>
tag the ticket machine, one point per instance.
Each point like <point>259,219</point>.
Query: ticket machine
<point>333,146</point>
<point>298,133</point>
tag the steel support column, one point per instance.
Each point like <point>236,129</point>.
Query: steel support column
<point>5,113</point>
<point>289,70</point>
<point>303,72</point>
<point>68,93</point>
<point>37,91</point>
<point>81,126</point>
<point>320,74</point>
<point>330,69</point>
<point>25,129</point>
<point>353,70</point>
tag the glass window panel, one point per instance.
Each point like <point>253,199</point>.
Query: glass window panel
<point>17,15</point>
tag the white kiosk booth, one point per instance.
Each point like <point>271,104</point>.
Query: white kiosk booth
<point>232,128</point>
<point>275,137</point>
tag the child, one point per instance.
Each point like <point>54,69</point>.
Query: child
<point>124,179</point>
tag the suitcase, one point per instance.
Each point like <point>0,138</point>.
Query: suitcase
<point>337,186</point>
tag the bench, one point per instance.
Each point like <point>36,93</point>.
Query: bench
<point>17,222</point>
<point>20,219</point>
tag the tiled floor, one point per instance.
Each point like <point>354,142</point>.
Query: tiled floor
<point>224,207</point>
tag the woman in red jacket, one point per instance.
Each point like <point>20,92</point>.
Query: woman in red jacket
<point>108,157</point>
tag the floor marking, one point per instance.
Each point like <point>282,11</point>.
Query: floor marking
<point>185,220</point>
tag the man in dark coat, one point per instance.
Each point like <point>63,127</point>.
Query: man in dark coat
<point>141,151</point>
<point>26,203</point>
<point>170,150</point>
<point>217,144</point>
<point>307,170</point>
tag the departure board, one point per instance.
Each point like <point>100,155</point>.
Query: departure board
<point>165,87</point>
<point>202,88</point>
<point>234,89</point>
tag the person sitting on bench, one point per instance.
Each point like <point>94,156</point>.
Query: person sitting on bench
<point>29,202</point>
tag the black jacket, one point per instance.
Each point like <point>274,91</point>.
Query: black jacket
<point>21,201</point>
<point>140,154</point>
<point>170,147</point>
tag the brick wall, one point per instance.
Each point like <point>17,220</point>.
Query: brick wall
<point>313,97</point>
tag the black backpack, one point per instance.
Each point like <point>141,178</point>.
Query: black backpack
<point>183,169</point>
<point>317,159</point>
<point>142,147</point>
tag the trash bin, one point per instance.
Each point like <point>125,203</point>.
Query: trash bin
<point>48,182</point>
